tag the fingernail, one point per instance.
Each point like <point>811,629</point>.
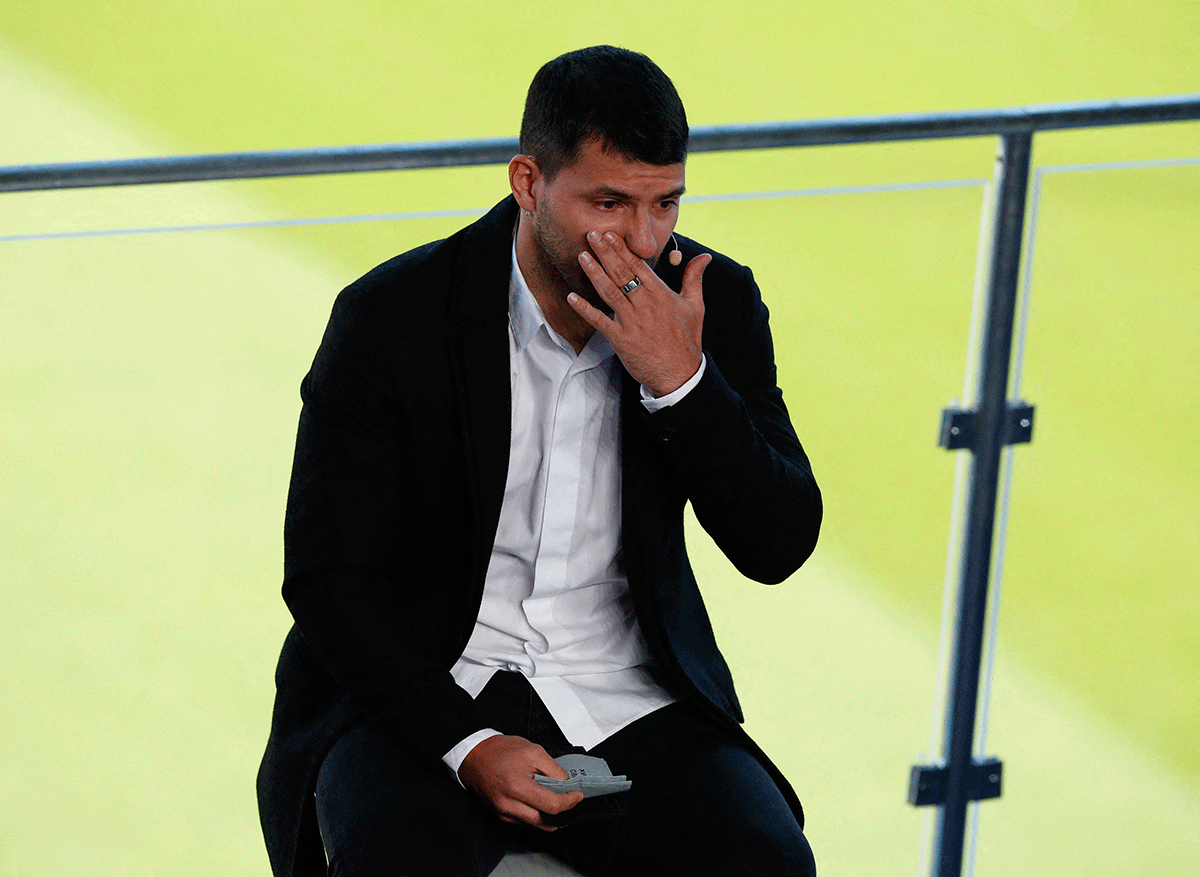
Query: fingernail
<point>593,236</point>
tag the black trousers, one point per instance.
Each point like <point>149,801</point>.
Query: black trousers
<point>700,804</point>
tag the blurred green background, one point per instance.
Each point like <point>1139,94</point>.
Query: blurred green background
<point>148,385</point>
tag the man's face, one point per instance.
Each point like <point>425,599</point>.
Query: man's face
<point>604,191</point>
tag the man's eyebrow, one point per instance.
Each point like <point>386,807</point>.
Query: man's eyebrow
<point>620,195</point>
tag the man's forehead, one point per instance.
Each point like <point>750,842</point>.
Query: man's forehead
<point>597,166</point>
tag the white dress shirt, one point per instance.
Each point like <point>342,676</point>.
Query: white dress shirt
<point>556,605</point>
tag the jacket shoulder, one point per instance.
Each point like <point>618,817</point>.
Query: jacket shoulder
<point>450,275</point>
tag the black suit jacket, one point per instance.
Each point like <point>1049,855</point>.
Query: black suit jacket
<point>398,478</point>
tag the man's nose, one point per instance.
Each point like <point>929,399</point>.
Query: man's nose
<point>639,237</point>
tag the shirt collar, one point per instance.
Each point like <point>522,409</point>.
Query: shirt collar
<point>525,317</point>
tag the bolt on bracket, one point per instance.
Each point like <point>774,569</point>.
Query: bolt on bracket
<point>927,783</point>
<point>958,429</point>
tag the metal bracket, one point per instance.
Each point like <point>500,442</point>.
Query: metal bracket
<point>927,783</point>
<point>958,426</point>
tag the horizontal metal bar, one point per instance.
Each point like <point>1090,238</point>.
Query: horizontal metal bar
<point>1140,164</point>
<point>245,165</point>
<point>965,123</point>
<point>711,138</point>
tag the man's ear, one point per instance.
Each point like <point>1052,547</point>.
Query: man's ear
<point>523,176</point>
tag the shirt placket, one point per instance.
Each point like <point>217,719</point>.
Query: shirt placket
<point>560,511</point>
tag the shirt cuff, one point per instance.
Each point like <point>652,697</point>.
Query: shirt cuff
<point>652,404</point>
<point>454,758</point>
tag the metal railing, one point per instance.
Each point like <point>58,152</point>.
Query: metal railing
<point>994,423</point>
<point>709,138</point>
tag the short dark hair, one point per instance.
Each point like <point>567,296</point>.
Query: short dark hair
<point>619,97</point>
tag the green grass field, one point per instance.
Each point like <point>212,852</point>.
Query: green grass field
<point>149,393</point>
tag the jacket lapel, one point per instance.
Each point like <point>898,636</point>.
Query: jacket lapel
<point>479,307</point>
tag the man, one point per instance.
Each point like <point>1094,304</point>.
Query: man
<point>484,536</point>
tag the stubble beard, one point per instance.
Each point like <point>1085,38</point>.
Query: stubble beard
<point>560,258</point>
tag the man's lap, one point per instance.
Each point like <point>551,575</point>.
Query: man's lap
<point>700,804</point>
<point>378,807</point>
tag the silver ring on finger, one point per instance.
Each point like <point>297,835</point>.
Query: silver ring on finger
<point>631,286</point>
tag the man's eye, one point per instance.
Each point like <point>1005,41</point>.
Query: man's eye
<point>607,205</point>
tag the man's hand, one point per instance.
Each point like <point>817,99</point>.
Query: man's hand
<point>501,769</point>
<point>655,332</point>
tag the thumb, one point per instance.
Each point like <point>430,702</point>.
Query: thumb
<point>692,289</point>
<point>547,766</point>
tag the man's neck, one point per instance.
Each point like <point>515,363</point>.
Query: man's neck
<point>548,290</point>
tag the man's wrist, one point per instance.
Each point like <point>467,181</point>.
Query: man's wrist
<point>653,403</point>
<point>456,756</point>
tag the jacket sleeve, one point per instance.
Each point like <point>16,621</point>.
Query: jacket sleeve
<point>730,442</point>
<point>361,601</point>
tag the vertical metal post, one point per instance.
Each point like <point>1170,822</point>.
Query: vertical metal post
<point>991,434</point>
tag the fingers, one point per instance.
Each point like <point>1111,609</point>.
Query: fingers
<point>501,770</point>
<point>546,801</point>
<point>612,266</point>
<point>590,315</point>
<point>602,281</point>
<point>542,798</point>
<point>514,811</point>
<point>619,264</point>
<point>531,803</point>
